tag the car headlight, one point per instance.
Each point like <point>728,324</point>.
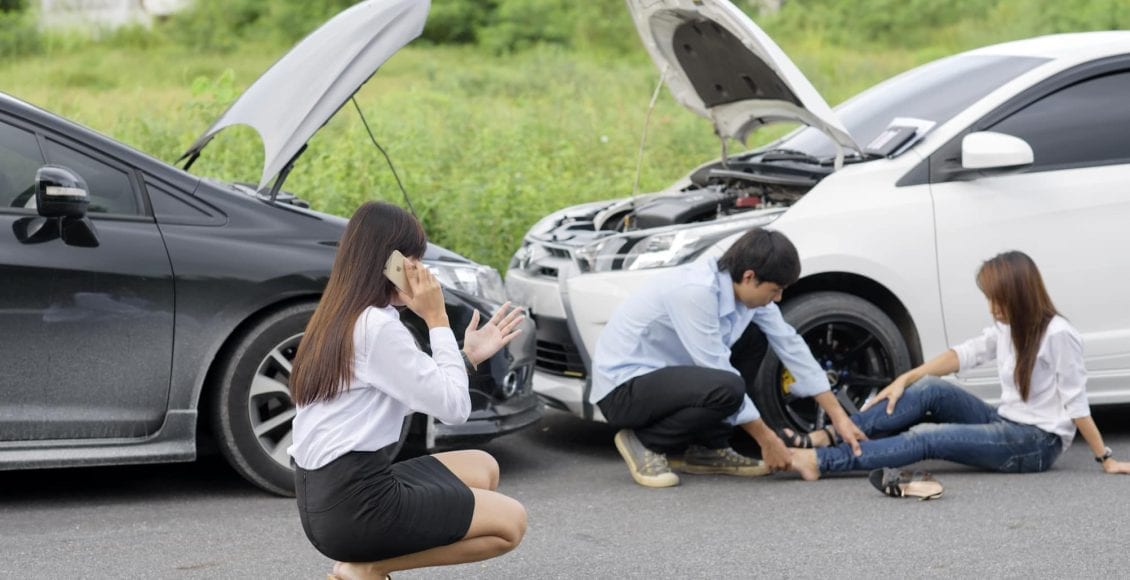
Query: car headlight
<point>473,279</point>
<point>659,248</point>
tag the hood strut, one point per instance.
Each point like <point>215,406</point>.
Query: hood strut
<point>277,185</point>
<point>191,159</point>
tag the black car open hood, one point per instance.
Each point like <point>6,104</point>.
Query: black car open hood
<point>300,92</point>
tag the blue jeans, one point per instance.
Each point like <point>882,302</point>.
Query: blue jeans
<point>963,429</point>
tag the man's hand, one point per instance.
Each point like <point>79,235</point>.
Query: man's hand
<point>850,433</point>
<point>891,393</point>
<point>774,453</point>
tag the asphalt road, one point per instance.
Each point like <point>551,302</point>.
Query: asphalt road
<point>588,520</point>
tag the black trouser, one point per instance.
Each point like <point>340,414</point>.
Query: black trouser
<point>677,406</point>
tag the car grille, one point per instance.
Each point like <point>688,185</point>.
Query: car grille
<point>542,260</point>
<point>556,352</point>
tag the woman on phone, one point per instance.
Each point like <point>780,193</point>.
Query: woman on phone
<point>1039,360</point>
<point>357,374</point>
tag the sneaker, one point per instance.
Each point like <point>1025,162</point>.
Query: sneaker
<point>648,468</point>
<point>724,461</point>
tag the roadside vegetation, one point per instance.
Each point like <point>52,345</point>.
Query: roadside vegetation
<point>503,112</point>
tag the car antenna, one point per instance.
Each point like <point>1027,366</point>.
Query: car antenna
<point>643,137</point>
<point>403,191</point>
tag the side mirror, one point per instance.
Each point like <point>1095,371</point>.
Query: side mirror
<point>60,193</point>
<point>989,150</point>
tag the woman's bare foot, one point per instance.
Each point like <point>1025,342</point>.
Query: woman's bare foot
<point>804,463</point>
<point>357,571</point>
<point>820,438</point>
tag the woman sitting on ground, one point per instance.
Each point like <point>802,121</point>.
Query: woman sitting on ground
<point>1039,358</point>
<point>357,375</point>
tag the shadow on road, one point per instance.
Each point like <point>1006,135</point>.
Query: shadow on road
<point>1114,420</point>
<point>134,483</point>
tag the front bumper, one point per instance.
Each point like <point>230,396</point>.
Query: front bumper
<point>570,311</point>
<point>566,394</point>
<point>485,424</point>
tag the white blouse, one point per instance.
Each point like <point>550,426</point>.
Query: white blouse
<point>392,377</point>
<point>1057,393</point>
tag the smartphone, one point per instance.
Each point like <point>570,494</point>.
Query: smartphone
<point>394,270</point>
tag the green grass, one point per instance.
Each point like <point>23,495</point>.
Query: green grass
<point>485,145</point>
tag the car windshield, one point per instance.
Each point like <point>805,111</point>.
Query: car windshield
<point>934,92</point>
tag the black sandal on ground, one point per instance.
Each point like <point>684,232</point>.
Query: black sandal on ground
<point>800,440</point>
<point>905,483</point>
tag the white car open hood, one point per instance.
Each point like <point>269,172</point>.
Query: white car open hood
<point>300,92</point>
<point>721,65</point>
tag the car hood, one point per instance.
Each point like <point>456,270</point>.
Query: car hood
<point>722,66</point>
<point>300,92</point>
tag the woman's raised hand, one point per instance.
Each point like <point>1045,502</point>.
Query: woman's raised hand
<point>426,298</point>
<point>479,344</point>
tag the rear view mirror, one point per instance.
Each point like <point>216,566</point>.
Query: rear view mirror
<point>989,150</point>
<point>61,198</point>
<point>60,193</point>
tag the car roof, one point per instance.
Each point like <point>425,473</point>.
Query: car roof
<point>11,102</point>
<point>1070,46</point>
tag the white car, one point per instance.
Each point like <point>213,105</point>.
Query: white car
<point>893,200</point>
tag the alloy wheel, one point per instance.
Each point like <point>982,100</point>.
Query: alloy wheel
<point>856,362</point>
<point>270,406</point>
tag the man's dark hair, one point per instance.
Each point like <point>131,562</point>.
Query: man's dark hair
<point>771,256</point>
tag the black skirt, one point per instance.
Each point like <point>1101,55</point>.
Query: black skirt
<point>362,508</point>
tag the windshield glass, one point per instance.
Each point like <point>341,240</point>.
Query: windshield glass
<point>935,91</point>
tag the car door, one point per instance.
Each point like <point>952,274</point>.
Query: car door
<point>86,333</point>
<point>1069,210</point>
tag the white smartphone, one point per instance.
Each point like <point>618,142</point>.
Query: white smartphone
<point>394,270</point>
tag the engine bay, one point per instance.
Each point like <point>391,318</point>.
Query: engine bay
<point>712,192</point>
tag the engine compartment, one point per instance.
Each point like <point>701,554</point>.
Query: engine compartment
<point>716,191</point>
<point>714,201</point>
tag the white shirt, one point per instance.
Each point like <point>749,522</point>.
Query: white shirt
<point>1057,393</point>
<point>392,377</point>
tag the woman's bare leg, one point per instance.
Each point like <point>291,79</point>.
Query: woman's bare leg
<point>497,526</point>
<point>477,469</point>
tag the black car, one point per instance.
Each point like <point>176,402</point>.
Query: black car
<point>144,309</point>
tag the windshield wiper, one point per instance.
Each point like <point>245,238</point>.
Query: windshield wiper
<point>789,155</point>
<point>855,157</point>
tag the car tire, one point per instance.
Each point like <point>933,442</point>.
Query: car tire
<point>251,407</point>
<point>857,344</point>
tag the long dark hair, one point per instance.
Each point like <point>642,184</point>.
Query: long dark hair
<point>1014,287</point>
<point>323,365</point>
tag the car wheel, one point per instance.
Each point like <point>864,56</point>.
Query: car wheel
<point>252,410</point>
<point>857,344</point>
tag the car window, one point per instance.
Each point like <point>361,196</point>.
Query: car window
<point>20,158</point>
<point>1081,125</point>
<point>110,188</point>
<point>935,91</point>
<point>171,208</point>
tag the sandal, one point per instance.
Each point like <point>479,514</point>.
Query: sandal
<point>905,483</point>
<point>799,440</point>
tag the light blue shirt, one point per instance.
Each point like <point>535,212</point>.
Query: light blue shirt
<point>688,316</point>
